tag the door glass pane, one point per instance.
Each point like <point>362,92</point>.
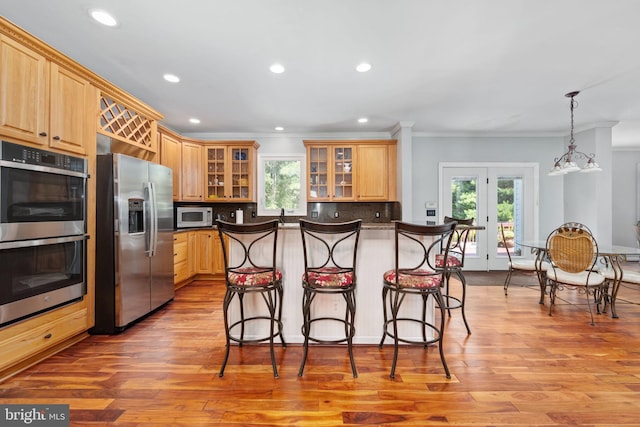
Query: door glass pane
<point>510,213</point>
<point>464,204</point>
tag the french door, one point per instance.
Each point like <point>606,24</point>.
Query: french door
<point>494,194</point>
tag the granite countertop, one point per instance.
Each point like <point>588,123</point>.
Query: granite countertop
<point>296,226</point>
<point>365,225</point>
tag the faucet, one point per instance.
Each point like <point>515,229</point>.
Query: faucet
<point>281,215</point>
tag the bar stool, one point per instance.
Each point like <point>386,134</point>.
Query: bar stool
<point>456,264</point>
<point>330,252</point>
<point>416,275</point>
<point>250,268</point>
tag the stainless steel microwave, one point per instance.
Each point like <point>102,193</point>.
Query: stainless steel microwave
<point>194,216</point>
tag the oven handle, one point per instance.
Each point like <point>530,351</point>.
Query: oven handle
<point>46,169</point>
<point>40,242</point>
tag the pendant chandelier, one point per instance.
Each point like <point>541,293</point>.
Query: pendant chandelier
<point>566,163</point>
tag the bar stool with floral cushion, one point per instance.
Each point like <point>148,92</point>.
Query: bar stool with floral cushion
<point>330,252</point>
<point>455,260</point>
<point>415,275</point>
<point>251,271</point>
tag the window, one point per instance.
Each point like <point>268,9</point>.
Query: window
<point>282,184</point>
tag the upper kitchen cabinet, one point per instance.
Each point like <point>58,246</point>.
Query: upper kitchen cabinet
<point>42,102</point>
<point>330,172</point>
<point>230,171</point>
<point>360,171</point>
<point>191,175</point>
<point>171,156</point>
<point>376,175</point>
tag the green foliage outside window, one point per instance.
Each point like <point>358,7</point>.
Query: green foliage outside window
<point>463,198</point>
<point>282,184</point>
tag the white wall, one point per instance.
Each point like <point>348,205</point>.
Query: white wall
<point>429,151</point>
<point>625,197</point>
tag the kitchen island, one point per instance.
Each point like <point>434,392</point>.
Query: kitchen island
<point>375,256</point>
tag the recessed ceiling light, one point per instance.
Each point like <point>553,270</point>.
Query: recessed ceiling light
<point>194,121</point>
<point>363,120</point>
<point>363,67</point>
<point>103,17</point>
<point>277,68</point>
<point>171,78</point>
<point>279,128</point>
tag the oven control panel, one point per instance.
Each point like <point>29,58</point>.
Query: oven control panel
<point>33,156</point>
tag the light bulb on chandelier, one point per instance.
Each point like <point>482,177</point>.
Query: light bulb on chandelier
<point>565,163</point>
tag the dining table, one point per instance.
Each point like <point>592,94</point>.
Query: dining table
<point>609,257</point>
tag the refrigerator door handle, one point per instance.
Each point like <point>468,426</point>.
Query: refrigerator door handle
<point>150,219</point>
<point>153,246</point>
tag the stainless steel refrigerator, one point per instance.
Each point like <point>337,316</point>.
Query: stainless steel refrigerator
<point>134,240</point>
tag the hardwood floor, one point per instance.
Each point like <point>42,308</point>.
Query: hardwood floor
<point>520,367</point>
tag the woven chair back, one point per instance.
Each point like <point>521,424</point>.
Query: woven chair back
<point>572,250</point>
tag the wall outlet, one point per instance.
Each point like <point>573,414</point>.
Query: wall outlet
<point>377,214</point>
<point>336,214</point>
<point>314,214</point>
<point>253,214</point>
<point>232,214</point>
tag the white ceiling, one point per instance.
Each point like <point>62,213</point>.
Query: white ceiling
<point>477,67</point>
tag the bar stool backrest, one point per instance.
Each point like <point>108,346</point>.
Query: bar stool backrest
<point>417,246</point>
<point>460,238</point>
<point>253,247</point>
<point>330,247</point>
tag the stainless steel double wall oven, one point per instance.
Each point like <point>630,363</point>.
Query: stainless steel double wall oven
<point>42,230</point>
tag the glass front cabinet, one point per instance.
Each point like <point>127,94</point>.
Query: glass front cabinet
<point>351,170</point>
<point>230,171</point>
<point>330,174</point>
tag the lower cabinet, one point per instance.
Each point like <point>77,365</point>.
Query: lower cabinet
<point>181,271</point>
<point>35,336</point>
<point>196,253</point>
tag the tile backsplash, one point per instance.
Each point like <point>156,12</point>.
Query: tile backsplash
<point>369,212</point>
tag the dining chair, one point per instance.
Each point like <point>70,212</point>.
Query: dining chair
<point>523,265</point>
<point>573,252</point>
<point>330,253</point>
<point>415,276</point>
<point>251,271</point>
<point>576,226</point>
<point>455,262</point>
<point>617,277</point>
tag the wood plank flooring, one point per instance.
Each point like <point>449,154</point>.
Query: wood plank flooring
<point>520,367</point>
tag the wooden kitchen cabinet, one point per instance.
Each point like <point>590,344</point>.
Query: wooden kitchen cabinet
<point>204,251</point>
<point>180,257</point>
<point>209,257</point>
<point>217,259</point>
<point>191,172</point>
<point>25,340</point>
<point>351,170</point>
<point>376,175</point>
<point>330,172</point>
<point>43,103</point>
<point>230,171</point>
<point>171,156</point>
<point>197,252</point>
<point>191,253</point>
<point>73,100</point>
